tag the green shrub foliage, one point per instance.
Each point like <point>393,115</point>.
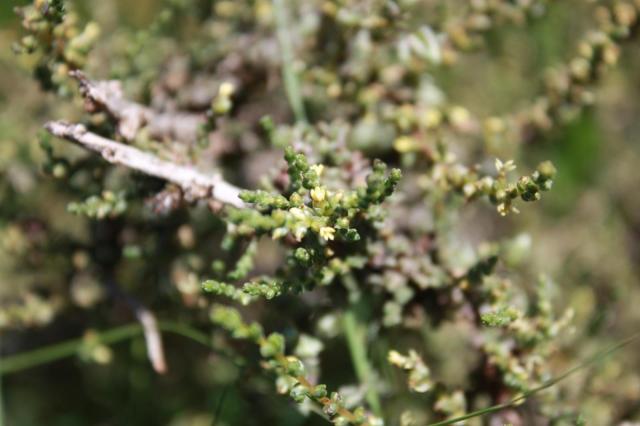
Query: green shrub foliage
<point>294,179</point>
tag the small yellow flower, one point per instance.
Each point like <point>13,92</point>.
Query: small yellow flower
<point>329,8</point>
<point>299,232</point>
<point>459,115</point>
<point>432,118</point>
<point>505,167</point>
<point>263,11</point>
<point>397,359</point>
<point>404,144</point>
<point>279,233</point>
<point>318,194</point>
<point>334,90</point>
<point>297,213</point>
<point>469,189</point>
<point>318,168</point>
<point>226,89</point>
<point>327,233</point>
<point>102,354</point>
<point>506,208</point>
<point>494,125</point>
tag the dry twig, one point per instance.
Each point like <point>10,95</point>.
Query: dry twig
<point>194,183</point>
<point>131,116</point>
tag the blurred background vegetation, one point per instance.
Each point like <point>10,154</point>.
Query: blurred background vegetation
<point>585,235</point>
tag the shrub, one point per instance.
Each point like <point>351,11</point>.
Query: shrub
<point>291,185</point>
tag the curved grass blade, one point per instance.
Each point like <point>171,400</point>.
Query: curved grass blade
<point>595,359</point>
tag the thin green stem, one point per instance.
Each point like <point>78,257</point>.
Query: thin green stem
<point>219,405</point>
<point>522,397</point>
<point>355,333</point>
<point>289,75</point>
<point>25,360</point>
<point>185,331</point>
<point>1,404</point>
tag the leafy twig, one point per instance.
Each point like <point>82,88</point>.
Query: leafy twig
<point>522,397</point>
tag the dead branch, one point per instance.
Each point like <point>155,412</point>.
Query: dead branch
<point>146,318</point>
<point>131,116</point>
<point>195,184</point>
<point>152,338</point>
